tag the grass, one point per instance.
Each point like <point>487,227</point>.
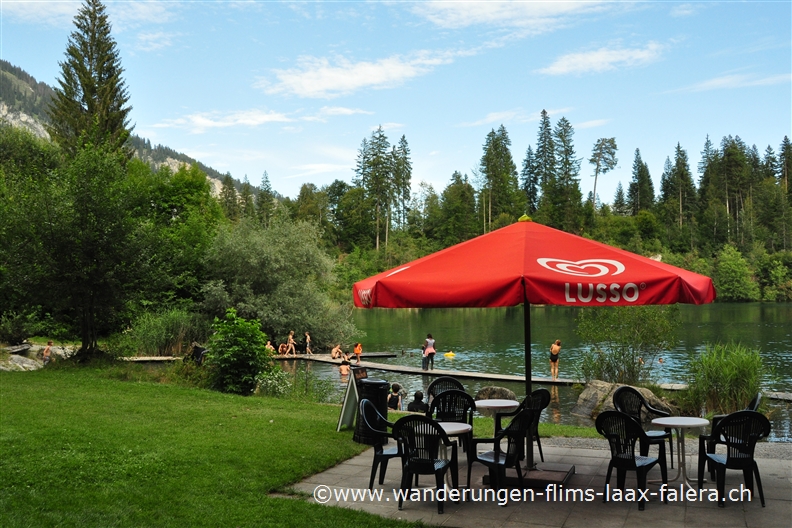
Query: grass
<point>78,448</point>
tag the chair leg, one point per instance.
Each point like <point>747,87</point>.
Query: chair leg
<point>641,486</point>
<point>383,469</point>
<point>721,485</point>
<point>539,443</point>
<point>374,472</point>
<point>759,483</point>
<point>607,481</point>
<point>671,449</point>
<point>621,477</point>
<point>405,485</point>
<point>519,474</point>
<point>439,477</point>
<point>702,462</point>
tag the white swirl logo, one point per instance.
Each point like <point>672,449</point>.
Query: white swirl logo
<point>365,296</point>
<point>321,494</point>
<point>583,268</point>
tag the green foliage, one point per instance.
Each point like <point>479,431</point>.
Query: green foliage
<point>278,275</point>
<point>304,385</point>
<point>16,327</point>
<point>274,382</point>
<point>625,340</point>
<point>237,354</point>
<point>167,333</point>
<point>90,104</point>
<point>723,379</point>
<point>733,280</point>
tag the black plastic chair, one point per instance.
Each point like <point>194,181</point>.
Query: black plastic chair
<point>454,406</point>
<point>420,439</point>
<point>442,384</point>
<point>537,402</point>
<point>378,425</point>
<point>629,401</point>
<point>739,432</point>
<point>498,460</point>
<point>622,432</point>
<point>753,405</point>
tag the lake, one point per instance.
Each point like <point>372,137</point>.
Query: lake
<point>491,340</point>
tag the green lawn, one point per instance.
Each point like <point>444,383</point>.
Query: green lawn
<point>80,449</point>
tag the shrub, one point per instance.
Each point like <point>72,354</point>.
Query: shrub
<point>307,386</point>
<point>237,354</point>
<point>723,379</point>
<point>733,278</point>
<point>624,341</point>
<point>166,333</point>
<point>274,382</point>
<point>16,327</point>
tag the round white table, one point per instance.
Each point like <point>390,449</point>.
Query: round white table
<point>680,423</point>
<point>456,429</point>
<point>495,406</point>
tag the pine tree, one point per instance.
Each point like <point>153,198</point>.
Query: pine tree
<point>402,176</point>
<point>500,176</point>
<point>90,104</point>
<point>229,200</point>
<point>785,163</point>
<point>620,206</point>
<point>265,201</point>
<point>568,198</point>
<point>529,178</point>
<point>603,157</point>
<point>374,173</point>
<point>640,193</point>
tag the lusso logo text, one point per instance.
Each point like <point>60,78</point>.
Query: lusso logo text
<point>586,293</point>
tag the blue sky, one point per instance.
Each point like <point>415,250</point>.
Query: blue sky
<point>293,87</point>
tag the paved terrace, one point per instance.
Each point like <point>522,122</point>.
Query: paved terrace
<point>590,458</point>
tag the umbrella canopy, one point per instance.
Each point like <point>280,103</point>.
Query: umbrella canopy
<point>528,262</point>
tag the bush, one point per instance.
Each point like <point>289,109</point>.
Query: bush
<point>237,354</point>
<point>624,341</point>
<point>166,333</point>
<point>307,386</point>
<point>15,327</point>
<point>274,383</point>
<point>723,379</point>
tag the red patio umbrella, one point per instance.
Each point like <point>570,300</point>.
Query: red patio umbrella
<point>528,263</point>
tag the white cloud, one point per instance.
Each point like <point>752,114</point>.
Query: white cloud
<point>313,169</point>
<point>61,13</point>
<point>495,117</point>
<point>389,126</point>
<point>736,81</point>
<point>200,122</point>
<point>536,17</point>
<point>333,111</point>
<point>154,41</point>
<point>683,10</point>
<point>316,77</point>
<point>604,59</point>
<point>592,124</point>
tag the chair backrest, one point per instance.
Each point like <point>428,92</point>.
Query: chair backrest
<point>442,384</point>
<point>453,406</point>
<point>420,439</point>
<point>373,419</point>
<point>740,431</point>
<point>622,432</point>
<point>629,401</point>
<point>516,432</point>
<point>754,404</point>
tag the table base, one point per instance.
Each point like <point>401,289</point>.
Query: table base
<point>539,477</point>
<point>681,462</point>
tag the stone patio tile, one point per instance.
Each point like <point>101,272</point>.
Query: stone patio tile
<point>585,519</point>
<point>776,514</point>
<point>715,517</point>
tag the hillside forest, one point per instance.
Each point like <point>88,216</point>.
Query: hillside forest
<point>96,244</point>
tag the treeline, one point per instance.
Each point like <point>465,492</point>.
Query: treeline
<point>740,211</point>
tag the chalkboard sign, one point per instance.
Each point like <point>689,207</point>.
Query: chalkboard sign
<point>350,405</point>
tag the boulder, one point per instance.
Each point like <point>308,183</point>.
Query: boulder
<point>597,397</point>
<point>20,363</point>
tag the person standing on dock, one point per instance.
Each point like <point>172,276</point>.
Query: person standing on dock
<point>429,352</point>
<point>358,352</point>
<point>290,345</point>
<point>308,343</point>
<point>555,348</point>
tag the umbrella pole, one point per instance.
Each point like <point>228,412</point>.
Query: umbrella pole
<point>529,458</point>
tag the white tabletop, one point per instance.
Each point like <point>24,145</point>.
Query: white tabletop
<point>683,422</point>
<point>497,404</point>
<point>455,428</point>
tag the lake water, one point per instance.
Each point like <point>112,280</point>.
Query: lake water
<point>491,340</point>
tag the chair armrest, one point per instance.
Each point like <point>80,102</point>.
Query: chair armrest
<point>498,416</point>
<point>658,412</point>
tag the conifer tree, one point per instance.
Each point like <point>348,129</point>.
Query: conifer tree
<point>620,206</point>
<point>402,176</point>
<point>785,164</point>
<point>603,157</point>
<point>264,201</point>
<point>530,181</point>
<point>567,195</point>
<point>500,176</point>
<point>640,193</point>
<point>90,103</point>
<point>229,200</point>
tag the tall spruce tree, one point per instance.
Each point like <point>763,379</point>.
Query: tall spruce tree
<point>567,199</point>
<point>500,177</point>
<point>640,193</point>
<point>402,177</point>
<point>90,103</point>
<point>620,206</point>
<point>529,178</point>
<point>374,173</point>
